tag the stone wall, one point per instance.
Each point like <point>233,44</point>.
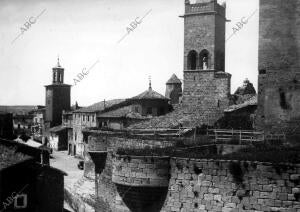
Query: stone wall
<point>104,142</point>
<point>141,181</point>
<point>209,91</point>
<point>207,185</point>
<point>141,171</point>
<point>193,184</point>
<point>108,198</point>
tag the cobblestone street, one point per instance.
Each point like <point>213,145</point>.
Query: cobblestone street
<point>80,188</point>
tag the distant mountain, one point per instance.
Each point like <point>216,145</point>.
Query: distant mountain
<point>17,109</point>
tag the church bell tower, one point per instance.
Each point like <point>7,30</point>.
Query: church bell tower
<point>58,97</point>
<point>206,84</point>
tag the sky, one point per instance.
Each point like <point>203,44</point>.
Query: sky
<point>86,34</point>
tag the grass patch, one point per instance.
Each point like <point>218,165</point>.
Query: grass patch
<point>261,152</point>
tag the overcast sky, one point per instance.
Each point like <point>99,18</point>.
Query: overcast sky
<point>82,32</point>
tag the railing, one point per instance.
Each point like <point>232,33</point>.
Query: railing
<point>240,135</point>
<point>244,135</point>
<point>161,132</point>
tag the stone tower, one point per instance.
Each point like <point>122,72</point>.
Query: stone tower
<point>206,84</point>
<point>58,97</point>
<point>174,89</point>
<point>279,62</point>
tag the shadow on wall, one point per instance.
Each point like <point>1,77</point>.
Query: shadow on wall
<point>143,199</point>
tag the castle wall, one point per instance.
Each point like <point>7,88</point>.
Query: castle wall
<point>207,185</point>
<point>124,183</point>
<point>106,190</point>
<point>279,75</point>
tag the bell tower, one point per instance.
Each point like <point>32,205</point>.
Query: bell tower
<point>206,84</point>
<point>204,35</point>
<point>58,97</point>
<point>58,74</point>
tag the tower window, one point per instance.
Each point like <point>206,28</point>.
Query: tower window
<point>192,60</point>
<point>262,71</point>
<point>283,102</point>
<point>203,57</point>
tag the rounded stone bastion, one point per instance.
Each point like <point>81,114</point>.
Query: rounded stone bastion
<point>145,171</point>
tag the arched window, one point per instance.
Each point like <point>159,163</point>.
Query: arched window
<point>204,59</point>
<point>192,60</point>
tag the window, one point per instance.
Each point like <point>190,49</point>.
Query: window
<point>161,111</point>
<point>262,71</point>
<point>219,103</point>
<point>83,117</point>
<point>20,201</point>
<point>283,102</point>
<point>93,118</point>
<point>203,57</point>
<point>192,60</point>
<point>136,109</point>
<point>88,118</point>
<point>75,136</point>
<point>149,111</point>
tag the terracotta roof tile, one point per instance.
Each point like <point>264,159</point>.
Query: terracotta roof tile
<point>100,106</point>
<point>149,94</point>
<point>185,115</point>
<point>249,102</point>
<point>124,112</point>
<point>9,157</point>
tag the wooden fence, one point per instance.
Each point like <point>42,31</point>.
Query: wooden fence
<point>243,135</point>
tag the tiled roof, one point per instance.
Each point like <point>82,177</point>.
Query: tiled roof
<point>250,102</point>
<point>57,128</point>
<point>124,112</point>
<point>149,94</point>
<point>100,106</point>
<point>174,80</point>
<point>185,115</point>
<point>9,157</point>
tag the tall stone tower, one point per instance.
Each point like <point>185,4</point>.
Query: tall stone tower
<point>58,97</point>
<point>174,89</point>
<point>206,84</point>
<point>279,62</point>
